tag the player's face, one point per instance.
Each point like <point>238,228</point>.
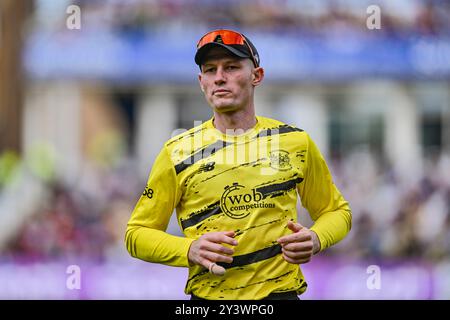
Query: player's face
<point>227,81</point>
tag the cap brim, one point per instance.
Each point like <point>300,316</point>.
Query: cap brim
<point>201,53</point>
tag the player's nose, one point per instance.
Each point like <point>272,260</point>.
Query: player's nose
<point>220,76</point>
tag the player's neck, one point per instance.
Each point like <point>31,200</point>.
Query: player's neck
<point>238,121</point>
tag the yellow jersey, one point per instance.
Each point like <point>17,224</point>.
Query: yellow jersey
<point>247,183</point>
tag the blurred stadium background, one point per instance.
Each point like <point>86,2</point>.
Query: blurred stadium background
<point>84,112</point>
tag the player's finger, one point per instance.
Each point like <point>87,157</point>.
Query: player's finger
<point>298,246</point>
<point>215,247</point>
<point>215,257</point>
<point>205,262</point>
<point>295,261</point>
<point>222,237</point>
<point>295,237</point>
<point>229,233</point>
<point>297,254</point>
<point>217,270</point>
<point>294,227</point>
<point>212,267</point>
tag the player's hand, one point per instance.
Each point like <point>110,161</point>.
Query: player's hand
<point>301,245</point>
<point>208,249</point>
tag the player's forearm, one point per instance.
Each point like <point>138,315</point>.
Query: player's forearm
<point>157,246</point>
<point>332,227</point>
<point>316,242</point>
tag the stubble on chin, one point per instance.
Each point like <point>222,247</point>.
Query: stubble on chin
<point>222,106</point>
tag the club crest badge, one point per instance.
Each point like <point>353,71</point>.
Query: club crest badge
<point>279,160</point>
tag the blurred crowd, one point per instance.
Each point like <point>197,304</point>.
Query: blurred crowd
<point>422,17</point>
<point>396,217</point>
<point>398,18</point>
<point>391,218</point>
<point>84,219</point>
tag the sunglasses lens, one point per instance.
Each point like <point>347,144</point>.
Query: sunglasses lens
<point>227,37</point>
<point>224,36</point>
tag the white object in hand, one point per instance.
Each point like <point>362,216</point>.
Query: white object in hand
<point>216,269</point>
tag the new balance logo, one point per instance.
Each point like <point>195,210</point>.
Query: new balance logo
<point>206,167</point>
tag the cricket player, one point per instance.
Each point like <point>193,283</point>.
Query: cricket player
<point>234,182</point>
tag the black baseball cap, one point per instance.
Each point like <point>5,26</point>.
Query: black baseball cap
<point>233,41</point>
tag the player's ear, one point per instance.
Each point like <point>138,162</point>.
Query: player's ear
<point>257,75</point>
<point>200,82</point>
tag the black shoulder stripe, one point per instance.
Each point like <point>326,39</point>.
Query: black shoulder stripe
<point>287,129</point>
<point>278,188</point>
<point>201,154</point>
<point>199,217</point>
<point>277,130</point>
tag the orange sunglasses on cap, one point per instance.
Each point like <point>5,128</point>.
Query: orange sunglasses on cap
<point>227,38</point>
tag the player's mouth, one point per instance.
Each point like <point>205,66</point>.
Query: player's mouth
<point>221,92</point>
